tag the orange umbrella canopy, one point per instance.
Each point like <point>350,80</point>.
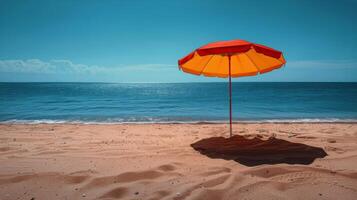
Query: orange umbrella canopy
<point>234,58</point>
<point>244,58</point>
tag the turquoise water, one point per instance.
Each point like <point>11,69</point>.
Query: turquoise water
<point>176,102</point>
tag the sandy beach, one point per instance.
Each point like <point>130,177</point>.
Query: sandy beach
<point>178,100</point>
<point>157,161</point>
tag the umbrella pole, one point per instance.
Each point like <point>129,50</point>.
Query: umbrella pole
<point>230,97</point>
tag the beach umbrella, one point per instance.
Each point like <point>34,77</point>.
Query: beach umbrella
<point>233,58</point>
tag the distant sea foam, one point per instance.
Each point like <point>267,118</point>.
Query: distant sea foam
<point>179,122</point>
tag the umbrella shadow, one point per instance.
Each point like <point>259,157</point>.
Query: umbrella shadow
<point>256,151</point>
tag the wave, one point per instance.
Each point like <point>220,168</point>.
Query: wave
<point>158,121</point>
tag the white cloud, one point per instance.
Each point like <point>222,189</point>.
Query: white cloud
<point>323,63</point>
<point>65,70</point>
<point>67,66</point>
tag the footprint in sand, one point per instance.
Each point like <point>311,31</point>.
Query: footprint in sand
<point>76,179</point>
<point>167,168</point>
<point>116,193</point>
<point>3,149</point>
<point>216,170</point>
<point>212,182</point>
<point>331,140</point>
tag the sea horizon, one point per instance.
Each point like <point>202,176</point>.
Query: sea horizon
<point>197,102</point>
<point>224,80</point>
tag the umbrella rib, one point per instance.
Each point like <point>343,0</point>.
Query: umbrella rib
<point>219,64</point>
<point>204,67</point>
<point>251,60</point>
<point>238,60</point>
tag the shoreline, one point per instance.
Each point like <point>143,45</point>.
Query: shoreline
<point>299,121</point>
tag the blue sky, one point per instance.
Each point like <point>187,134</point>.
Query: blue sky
<point>141,41</point>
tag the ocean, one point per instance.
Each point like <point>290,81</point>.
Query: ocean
<point>176,102</point>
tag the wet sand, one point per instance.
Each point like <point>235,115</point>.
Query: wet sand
<point>157,161</point>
